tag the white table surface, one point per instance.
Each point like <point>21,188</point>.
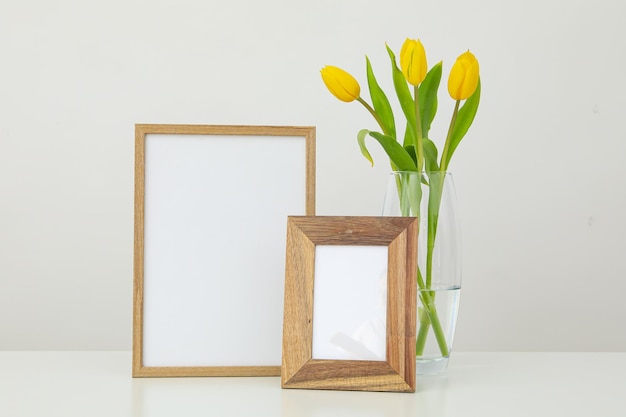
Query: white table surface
<point>477,384</point>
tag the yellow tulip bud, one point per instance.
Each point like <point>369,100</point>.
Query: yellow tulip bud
<point>463,77</point>
<point>341,84</point>
<point>413,61</point>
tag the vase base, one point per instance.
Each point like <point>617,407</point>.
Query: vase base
<point>431,366</point>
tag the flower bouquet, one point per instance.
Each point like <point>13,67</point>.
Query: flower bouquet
<point>420,170</point>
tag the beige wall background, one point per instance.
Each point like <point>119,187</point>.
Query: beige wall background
<point>541,176</point>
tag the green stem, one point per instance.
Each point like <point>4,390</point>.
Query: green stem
<point>443,165</point>
<point>430,317</point>
<point>374,114</point>
<point>422,333</point>
<point>431,310</point>
<point>419,145</point>
<point>428,297</point>
<point>434,203</point>
<point>406,189</point>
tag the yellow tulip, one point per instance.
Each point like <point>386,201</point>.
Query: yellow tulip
<point>413,61</point>
<point>463,77</point>
<point>341,84</point>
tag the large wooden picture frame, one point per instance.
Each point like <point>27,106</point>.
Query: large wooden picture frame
<point>306,235</point>
<point>211,204</point>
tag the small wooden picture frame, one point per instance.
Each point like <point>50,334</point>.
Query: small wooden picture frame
<point>210,208</point>
<point>333,276</point>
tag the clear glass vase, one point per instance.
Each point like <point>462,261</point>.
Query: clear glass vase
<point>431,197</point>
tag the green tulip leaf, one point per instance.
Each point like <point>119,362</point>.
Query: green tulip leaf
<point>430,154</point>
<point>410,149</point>
<point>400,159</point>
<point>361,139</point>
<point>409,134</point>
<point>380,101</point>
<point>404,96</point>
<point>463,122</point>
<point>428,97</point>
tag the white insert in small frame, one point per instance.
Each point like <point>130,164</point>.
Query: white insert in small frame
<point>350,306</point>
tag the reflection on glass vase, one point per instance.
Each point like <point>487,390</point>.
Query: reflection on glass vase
<point>431,197</point>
